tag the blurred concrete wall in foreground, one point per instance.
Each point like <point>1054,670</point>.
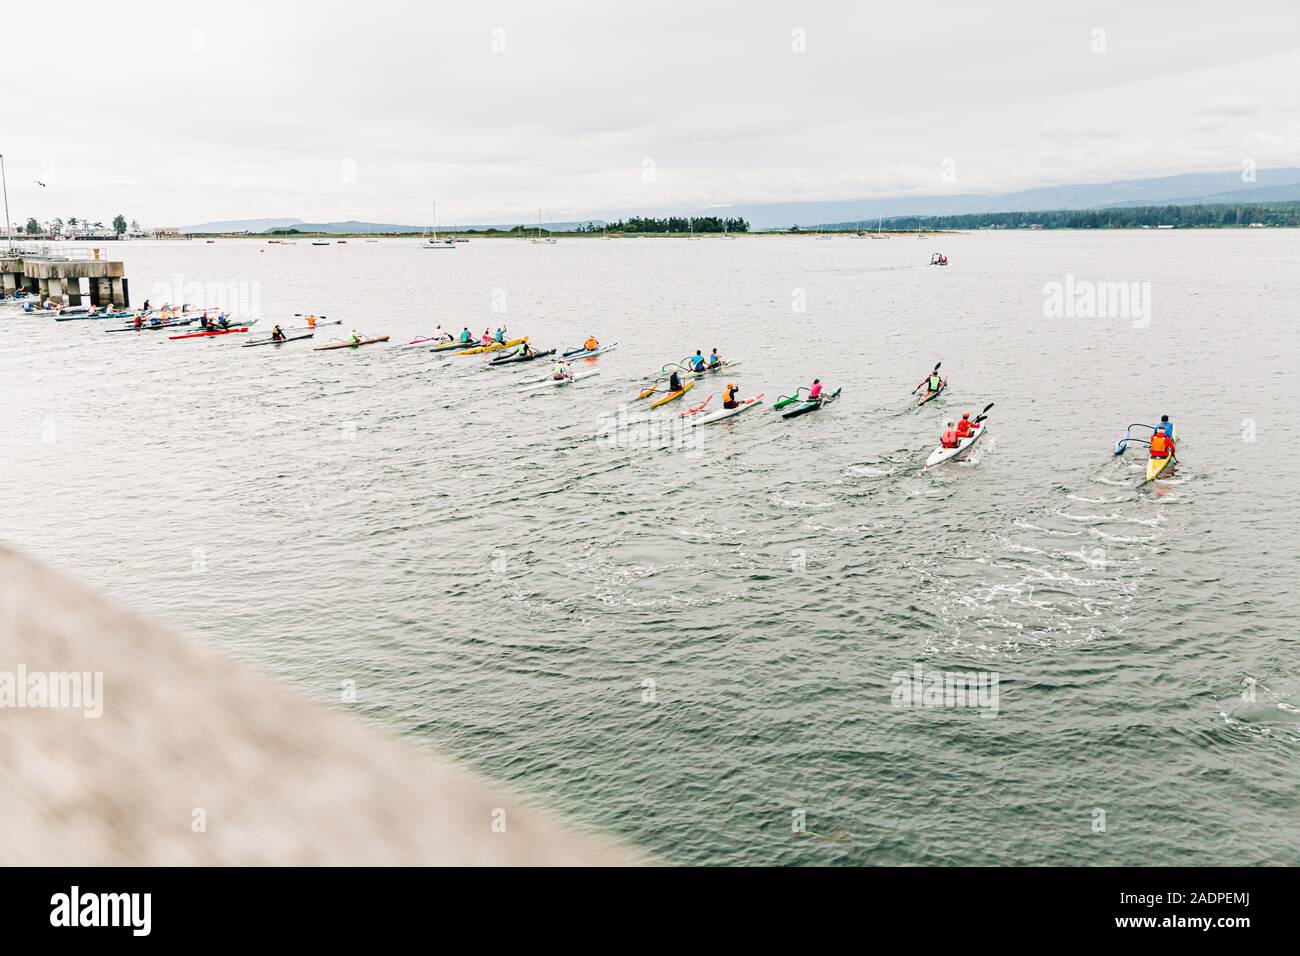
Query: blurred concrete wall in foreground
<point>195,760</point>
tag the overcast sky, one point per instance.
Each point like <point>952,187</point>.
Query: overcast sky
<point>177,112</point>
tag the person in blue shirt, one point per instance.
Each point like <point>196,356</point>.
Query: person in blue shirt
<point>697,362</point>
<point>1165,426</point>
<point>501,336</point>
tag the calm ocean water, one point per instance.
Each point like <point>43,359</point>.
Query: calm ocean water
<point>696,644</point>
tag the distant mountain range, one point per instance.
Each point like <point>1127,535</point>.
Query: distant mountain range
<point>1270,185</point>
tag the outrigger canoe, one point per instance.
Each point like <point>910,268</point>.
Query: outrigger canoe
<point>556,382</point>
<point>494,347</point>
<point>722,413</point>
<point>673,396</point>
<point>514,357</point>
<point>351,345</point>
<point>808,405</point>
<point>1161,466</point>
<point>582,353</point>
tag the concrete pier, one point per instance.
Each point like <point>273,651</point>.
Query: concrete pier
<point>58,274</point>
<point>180,757</point>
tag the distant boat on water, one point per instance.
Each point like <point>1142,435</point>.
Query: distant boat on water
<point>539,239</point>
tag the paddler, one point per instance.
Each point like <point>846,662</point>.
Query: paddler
<point>930,383</point>
<point>524,350</point>
<point>311,321</point>
<point>561,371</point>
<point>139,321</point>
<point>487,337</point>
<point>674,382</point>
<point>465,335</point>
<point>591,344</point>
<point>355,338</point>
<point>815,393</point>
<point>500,336</point>
<point>715,360</point>
<point>697,362</point>
<point>730,396</point>
<point>277,334</point>
<point>146,305</point>
<point>1166,426</point>
<point>949,438</point>
<point>223,321</point>
<point>441,334</point>
<point>1162,446</point>
<point>966,427</point>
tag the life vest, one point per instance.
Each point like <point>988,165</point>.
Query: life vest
<point>591,344</point>
<point>949,438</point>
<point>1161,446</point>
<point>965,428</point>
<point>934,383</point>
<point>729,396</point>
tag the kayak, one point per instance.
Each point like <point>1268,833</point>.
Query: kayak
<point>941,454</point>
<point>84,314</point>
<point>516,357</point>
<point>581,353</point>
<point>209,333</point>
<point>931,396</point>
<point>452,346</point>
<point>673,396</point>
<point>722,413</point>
<point>351,345</point>
<point>494,347</point>
<point>155,328</point>
<point>811,406</point>
<point>550,382</point>
<point>1159,466</point>
<point>291,338</point>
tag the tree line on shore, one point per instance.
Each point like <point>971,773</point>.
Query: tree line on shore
<point>59,226</point>
<point>1211,216</point>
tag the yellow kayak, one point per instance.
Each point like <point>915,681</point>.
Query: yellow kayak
<point>673,396</point>
<point>1158,466</point>
<point>491,348</point>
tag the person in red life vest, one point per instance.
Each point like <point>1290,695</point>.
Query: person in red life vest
<point>1162,446</point>
<point>949,438</point>
<point>966,427</point>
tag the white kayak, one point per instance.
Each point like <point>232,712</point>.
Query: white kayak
<point>552,382</point>
<point>941,454</point>
<point>583,354</point>
<point>722,413</point>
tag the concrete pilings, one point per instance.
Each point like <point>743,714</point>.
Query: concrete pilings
<point>59,278</point>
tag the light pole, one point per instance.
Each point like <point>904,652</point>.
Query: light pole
<point>9,226</point>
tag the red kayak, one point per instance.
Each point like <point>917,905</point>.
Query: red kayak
<point>210,332</point>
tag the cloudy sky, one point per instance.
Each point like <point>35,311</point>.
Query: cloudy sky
<point>178,112</point>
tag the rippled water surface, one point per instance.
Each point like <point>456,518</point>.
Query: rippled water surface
<point>691,639</point>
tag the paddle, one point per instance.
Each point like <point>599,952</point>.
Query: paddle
<point>927,378</point>
<point>984,414</point>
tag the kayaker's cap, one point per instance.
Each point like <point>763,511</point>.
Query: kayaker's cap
<point>965,415</point>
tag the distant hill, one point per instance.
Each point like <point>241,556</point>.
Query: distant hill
<point>1186,189</point>
<point>1271,185</point>
<point>241,225</point>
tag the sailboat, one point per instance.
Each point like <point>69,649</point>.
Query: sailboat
<point>539,240</point>
<point>693,236</point>
<point>879,234</point>
<point>726,234</point>
<point>435,242</point>
<point>369,231</point>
